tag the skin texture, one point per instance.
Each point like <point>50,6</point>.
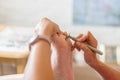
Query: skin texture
<point>39,62</point>
<point>56,64</point>
<point>105,71</point>
<point>62,58</point>
<point>40,66</point>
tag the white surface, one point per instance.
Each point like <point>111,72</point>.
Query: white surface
<point>28,13</point>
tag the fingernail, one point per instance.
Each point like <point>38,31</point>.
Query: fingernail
<point>65,33</point>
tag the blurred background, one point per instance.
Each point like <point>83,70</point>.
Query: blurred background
<point>19,17</point>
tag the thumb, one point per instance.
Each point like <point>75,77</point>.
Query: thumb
<point>84,48</point>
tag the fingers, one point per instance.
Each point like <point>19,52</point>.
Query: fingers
<point>57,38</point>
<point>84,48</point>
<point>53,25</point>
<point>91,39</point>
<point>80,35</point>
<point>65,33</point>
<point>83,38</point>
<point>89,56</point>
<point>75,45</point>
<point>47,27</point>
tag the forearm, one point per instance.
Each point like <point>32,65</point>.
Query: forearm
<point>63,69</point>
<point>39,65</point>
<point>66,71</point>
<point>106,72</point>
<point>63,74</point>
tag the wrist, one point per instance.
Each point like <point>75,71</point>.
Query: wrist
<point>95,64</point>
<point>63,62</point>
<point>38,38</point>
<point>64,57</point>
<point>63,72</point>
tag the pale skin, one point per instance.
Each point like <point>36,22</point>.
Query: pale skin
<point>62,58</point>
<point>43,64</point>
<point>40,66</point>
<point>39,62</point>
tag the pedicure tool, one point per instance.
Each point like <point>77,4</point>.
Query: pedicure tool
<point>89,46</point>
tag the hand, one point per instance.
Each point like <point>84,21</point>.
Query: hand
<point>62,48</point>
<point>89,56</point>
<point>62,57</point>
<point>46,27</point>
<point>60,43</point>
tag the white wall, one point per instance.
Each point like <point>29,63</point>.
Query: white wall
<point>28,13</point>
